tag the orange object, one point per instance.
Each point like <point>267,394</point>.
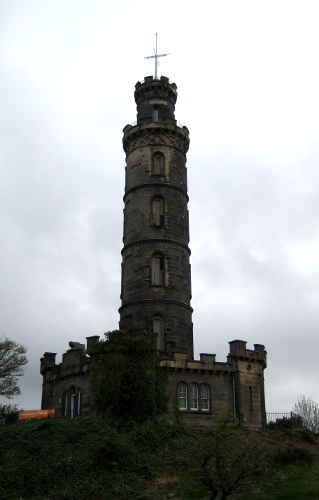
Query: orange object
<point>26,415</point>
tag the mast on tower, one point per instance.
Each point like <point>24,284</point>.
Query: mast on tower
<point>156,56</point>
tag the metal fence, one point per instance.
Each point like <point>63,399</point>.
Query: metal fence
<point>283,419</point>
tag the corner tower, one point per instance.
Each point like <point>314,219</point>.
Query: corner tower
<point>156,273</point>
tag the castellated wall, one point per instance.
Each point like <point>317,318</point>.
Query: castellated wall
<point>66,386</point>
<point>233,387</point>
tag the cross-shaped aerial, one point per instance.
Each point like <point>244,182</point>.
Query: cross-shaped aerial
<point>156,56</point>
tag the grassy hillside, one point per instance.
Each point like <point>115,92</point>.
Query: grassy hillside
<point>85,458</point>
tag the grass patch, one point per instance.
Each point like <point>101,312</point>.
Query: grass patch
<point>291,483</point>
<point>86,458</point>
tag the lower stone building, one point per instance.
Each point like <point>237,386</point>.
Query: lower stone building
<point>66,386</point>
<point>201,388</point>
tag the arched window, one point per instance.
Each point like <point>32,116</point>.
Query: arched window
<point>158,164</point>
<point>157,328</point>
<point>205,398</point>
<point>156,114</point>
<point>194,397</point>
<point>158,277</point>
<point>182,396</point>
<point>158,211</point>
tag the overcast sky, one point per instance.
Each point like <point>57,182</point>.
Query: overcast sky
<point>248,79</point>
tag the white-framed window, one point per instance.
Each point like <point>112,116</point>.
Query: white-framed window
<point>158,211</point>
<point>158,270</point>
<point>194,397</point>
<point>205,397</point>
<point>182,396</point>
<point>158,164</point>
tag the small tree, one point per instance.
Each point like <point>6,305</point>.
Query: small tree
<point>129,383</point>
<point>308,410</point>
<point>12,364</point>
<point>227,460</point>
<point>8,413</point>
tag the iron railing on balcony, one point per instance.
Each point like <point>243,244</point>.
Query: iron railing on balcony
<point>180,125</point>
<point>158,78</point>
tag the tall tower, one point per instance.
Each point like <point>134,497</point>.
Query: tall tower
<point>156,273</point>
<point>156,284</point>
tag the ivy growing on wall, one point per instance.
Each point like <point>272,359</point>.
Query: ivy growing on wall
<point>129,383</point>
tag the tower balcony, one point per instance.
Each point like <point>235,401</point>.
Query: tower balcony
<point>146,127</point>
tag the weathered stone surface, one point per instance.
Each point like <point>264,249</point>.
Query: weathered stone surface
<point>235,387</point>
<point>156,176</point>
<point>141,299</point>
<point>66,386</point>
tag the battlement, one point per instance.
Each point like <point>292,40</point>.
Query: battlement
<point>47,362</point>
<point>238,350</point>
<point>208,361</point>
<point>90,341</point>
<point>160,88</point>
<point>73,358</point>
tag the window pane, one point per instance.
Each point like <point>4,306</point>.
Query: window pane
<point>156,115</point>
<point>204,392</point>
<point>182,396</point>
<point>73,405</point>
<point>158,212</point>
<point>205,397</point>
<point>158,271</point>
<point>158,329</point>
<point>158,164</point>
<point>194,397</point>
<point>157,326</point>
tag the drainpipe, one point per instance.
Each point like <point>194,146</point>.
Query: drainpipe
<point>234,397</point>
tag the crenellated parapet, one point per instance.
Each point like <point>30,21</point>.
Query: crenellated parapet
<point>67,379</point>
<point>156,125</point>
<point>152,92</point>
<point>47,362</point>
<point>232,387</point>
<point>239,352</point>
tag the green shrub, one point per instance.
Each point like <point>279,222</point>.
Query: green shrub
<point>293,454</point>
<point>306,436</point>
<point>129,383</point>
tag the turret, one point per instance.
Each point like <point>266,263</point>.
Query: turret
<point>156,274</point>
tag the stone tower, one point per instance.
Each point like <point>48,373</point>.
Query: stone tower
<point>156,273</point>
<point>156,285</point>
